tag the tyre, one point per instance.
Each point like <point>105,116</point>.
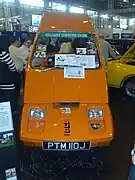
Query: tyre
<point>129,87</point>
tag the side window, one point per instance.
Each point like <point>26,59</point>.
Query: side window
<point>39,52</point>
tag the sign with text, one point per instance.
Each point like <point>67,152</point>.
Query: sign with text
<point>6,126</point>
<point>64,35</point>
<point>11,174</point>
<point>6,123</point>
<point>36,19</point>
<point>74,72</point>
<point>86,61</point>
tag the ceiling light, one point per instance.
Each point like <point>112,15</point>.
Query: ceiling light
<point>131,21</point>
<point>123,23</point>
<point>38,3</point>
<point>50,4</point>
<point>95,15</point>
<point>74,9</point>
<point>104,16</point>
<point>116,19</point>
<point>109,26</point>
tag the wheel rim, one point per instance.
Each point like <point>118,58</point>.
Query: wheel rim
<point>130,88</point>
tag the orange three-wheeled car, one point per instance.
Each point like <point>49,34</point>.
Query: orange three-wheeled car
<point>66,97</point>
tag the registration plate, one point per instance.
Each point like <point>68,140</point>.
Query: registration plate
<point>66,146</point>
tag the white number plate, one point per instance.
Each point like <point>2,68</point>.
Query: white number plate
<point>66,146</point>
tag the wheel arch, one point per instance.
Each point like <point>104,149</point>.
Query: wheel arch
<point>126,79</point>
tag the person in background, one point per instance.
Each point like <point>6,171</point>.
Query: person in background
<point>132,168</point>
<point>66,46</point>
<point>24,50</point>
<point>7,75</point>
<point>15,55</point>
<point>52,47</point>
<point>106,48</point>
<point>18,59</point>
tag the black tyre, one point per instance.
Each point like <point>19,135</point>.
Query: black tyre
<point>129,87</point>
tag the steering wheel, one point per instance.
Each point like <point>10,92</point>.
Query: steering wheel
<point>49,61</point>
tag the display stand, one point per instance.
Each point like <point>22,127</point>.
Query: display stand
<point>9,161</point>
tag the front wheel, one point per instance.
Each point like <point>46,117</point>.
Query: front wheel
<point>129,87</point>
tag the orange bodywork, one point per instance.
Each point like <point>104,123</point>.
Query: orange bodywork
<point>66,22</point>
<point>48,90</point>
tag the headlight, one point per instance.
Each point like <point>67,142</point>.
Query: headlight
<point>95,113</point>
<point>37,113</point>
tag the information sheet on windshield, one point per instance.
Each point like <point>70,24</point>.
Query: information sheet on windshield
<point>86,61</point>
<point>75,65</point>
<point>66,60</point>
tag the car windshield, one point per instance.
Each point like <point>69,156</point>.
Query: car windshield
<point>60,49</point>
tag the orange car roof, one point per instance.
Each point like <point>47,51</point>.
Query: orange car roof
<point>57,21</point>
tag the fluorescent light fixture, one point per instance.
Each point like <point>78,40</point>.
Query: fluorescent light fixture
<point>123,23</point>
<point>50,4</point>
<point>2,19</point>
<point>104,16</point>
<point>9,1</point>
<point>131,21</point>
<point>38,3</point>
<point>74,9</point>
<point>59,6</point>
<point>95,15</point>
<point>109,26</point>
<point>15,17</point>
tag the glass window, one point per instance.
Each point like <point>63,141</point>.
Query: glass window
<point>60,49</point>
<point>74,9</point>
<point>8,1</point>
<point>38,3</point>
<point>59,6</point>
